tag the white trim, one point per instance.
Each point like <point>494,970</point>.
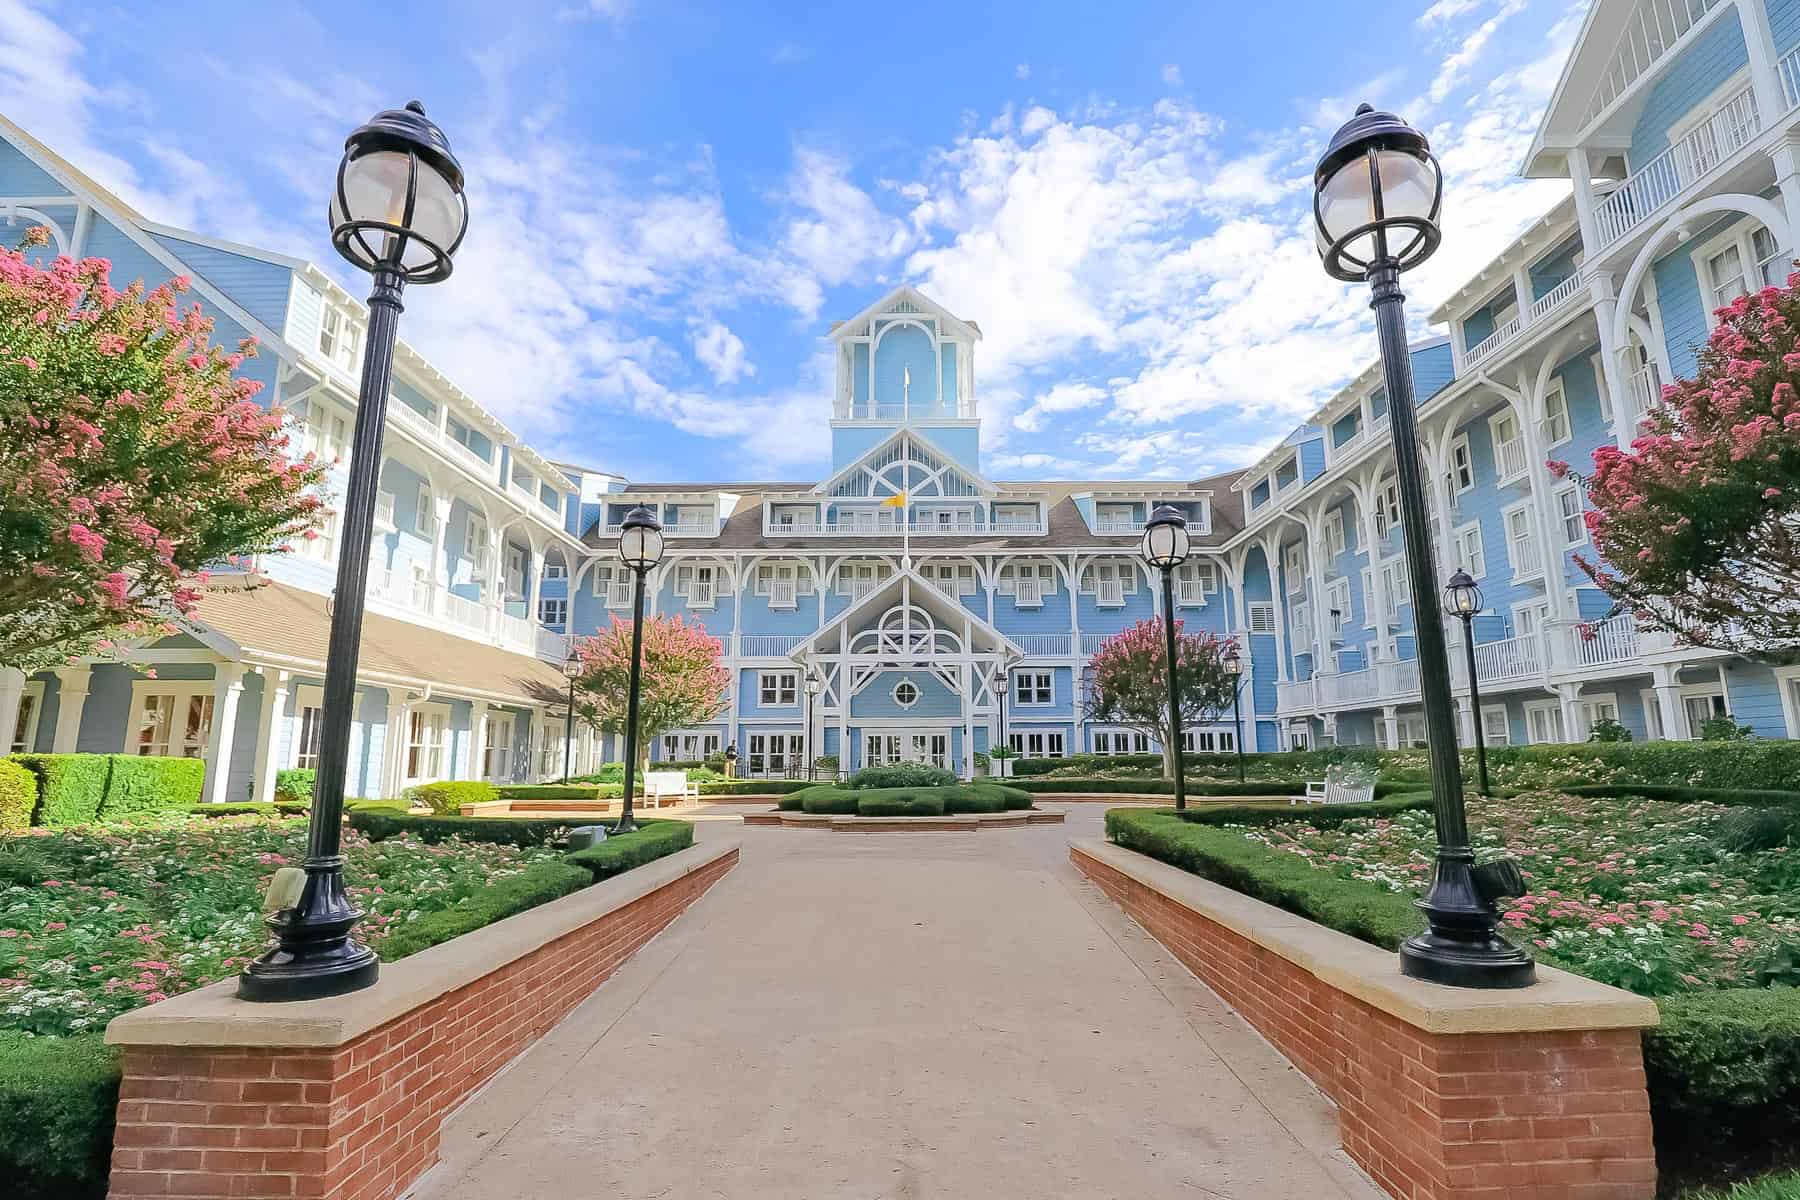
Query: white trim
<point>32,693</point>
<point>1504,738</point>
<point>180,690</point>
<point>1461,442</point>
<point>1474,561</point>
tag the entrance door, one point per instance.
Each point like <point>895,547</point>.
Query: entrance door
<point>932,749</point>
<point>882,749</point>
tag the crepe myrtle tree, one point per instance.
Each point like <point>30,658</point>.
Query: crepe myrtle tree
<point>683,684</point>
<point>1127,683</point>
<point>1698,524</point>
<point>132,456</point>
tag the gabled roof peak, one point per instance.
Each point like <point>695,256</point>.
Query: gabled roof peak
<point>904,300</point>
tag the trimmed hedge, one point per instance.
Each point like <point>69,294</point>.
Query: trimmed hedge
<point>58,1097</point>
<point>145,785</point>
<point>263,808</point>
<point>836,800</point>
<point>295,783</point>
<point>647,843</point>
<point>448,797</point>
<point>1275,789</point>
<point>757,787</point>
<point>560,791</point>
<point>899,802</point>
<point>70,786</point>
<point>501,898</point>
<point>902,775</point>
<point>1727,1061</point>
<point>1735,797</point>
<point>380,822</point>
<point>18,796</point>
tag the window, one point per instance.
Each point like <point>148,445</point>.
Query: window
<point>327,435</point>
<point>1544,723</point>
<point>1387,508</point>
<point>1509,447</point>
<point>775,753</point>
<point>1038,743</point>
<point>1293,560</point>
<point>953,579</point>
<point>689,747</point>
<point>1120,741</point>
<point>306,736</point>
<point>779,689</point>
<point>515,572</point>
<point>1109,583</point>
<point>1034,688</point>
<point>1209,741</point>
<point>173,722</point>
<point>1262,616</point>
<point>1521,542</point>
<point>615,583</point>
<point>553,610</point>
<point>31,707</point>
<point>474,538</point>
<point>1193,581</point>
<point>1468,550</point>
<point>1368,592</point>
<point>1496,726</point>
<point>497,754</point>
<point>1462,466</point>
<point>1772,266</point>
<point>1724,276</point>
<point>1115,517</point>
<point>1702,707</point>
<point>555,568</point>
<point>1027,583</point>
<point>783,583</point>
<point>1300,627</point>
<point>1530,619</point>
<point>696,583</point>
<point>427,739</point>
<point>339,338</point>
<point>1337,603</point>
<point>1556,416</point>
<point>858,579</point>
<point>1568,511</point>
<point>1334,532</point>
<point>906,693</point>
<point>1395,585</point>
<point>1598,708</point>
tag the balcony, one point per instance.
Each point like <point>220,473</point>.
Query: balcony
<point>970,528</point>
<point>767,645</point>
<point>1643,393</point>
<point>1509,459</point>
<point>684,528</point>
<point>1091,643</point>
<point>1658,182</point>
<point>425,431</point>
<point>1045,645</point>
<point>1599,643</point>
<point>1538,311</point>
<point>1115,526</point>
<point>424,603</point>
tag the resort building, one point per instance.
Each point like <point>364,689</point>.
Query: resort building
<point>938,611</point>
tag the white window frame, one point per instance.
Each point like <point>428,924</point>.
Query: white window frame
<point>518,559</point>
<point>1335,542</point>
<point>555,568</point>
<point>1337,599</point>
<point>908,685</point>
<point>778,689</point>
<point>1470,553</point>
<point>1038,743</point>
<point>1591,706</point>
<point>1493,734</point>
<point>1507,515</point>
<point>687,575</point>
<point>1124,572</point>
<point>1396,586</point>
<point>960,577</point>
<point>1007,582</point>
<point>1551,708</point>
<point>31,714</point>
<point>1368,593</point>
<point>1741,237</point>
<point>1115,741</point>
<point>1195,579</point>
<point>181,692</point>
<point>424,517</point>
<point>1553,414</point>
<point>1564,516</point>
<point>1462,463</point>
<point>1293,565</point>
<point>308,697</point>
<point>1260,616</point>
<point>506,747</point>
<point>559,615</point>
<point>1034,689</point>
<point>436,753</point>
<point>475,537</point>
<point>1387,507</point>
<point>1496,423</point>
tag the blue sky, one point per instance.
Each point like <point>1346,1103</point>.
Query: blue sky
<point>671,201</point>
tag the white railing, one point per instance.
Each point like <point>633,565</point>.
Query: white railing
<point>1609,641</point>
<point>1542,306</point>
<point>1666,176</point>
<point>687,528</point>
<point>782,594</point>
<point>1028,593</point>
<point>767,645</point>
<point>552,646</point>
<point>1492,341</point>
<point>464,611</point>
<point>1399,678</point>
<point>1643,392</point>
<point>700,594</point>
<point>1789,70</point>
<point>384,510</point>
<point>1508,658</point>
<point>1295,696</point>
<point>1045,645</point>
<point>1525,557</point>
<point>1190,593</point>
<point>1651,29</point>
<point>1010,528</point>
<point>1348,687</point>
<point>519,631</point>
<point>1109,593</point>
<point>1509,458</point>
<point>1117,526</point>
<point>1091,643</point>
<point>621,593</point>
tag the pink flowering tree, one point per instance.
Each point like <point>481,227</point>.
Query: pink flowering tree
<point>1128,682</point>
<point>132,456</point>
<point>682,683</point>
<point>1698,524</point>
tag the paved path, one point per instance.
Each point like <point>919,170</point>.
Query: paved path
<point>929,1015</point>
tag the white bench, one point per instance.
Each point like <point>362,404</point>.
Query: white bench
<point>671,787</point>
<point>1341,787</point>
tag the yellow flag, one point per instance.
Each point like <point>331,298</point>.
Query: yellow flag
<point>898,501</point>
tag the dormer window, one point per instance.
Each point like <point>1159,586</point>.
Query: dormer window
<point>1115,518</point>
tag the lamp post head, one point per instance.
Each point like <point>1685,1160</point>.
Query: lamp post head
<point>398,203</point>
<point>1377,192</point>
<point>640,539</point>
<point>1462,596</point>
<point>1232,661</point>
<point>813,683</point>
<point>1166,543</point>
<point>571,666</point>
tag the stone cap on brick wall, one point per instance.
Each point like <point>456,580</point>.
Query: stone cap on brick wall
<point>214,1016</point>
<point>1558,1001</point>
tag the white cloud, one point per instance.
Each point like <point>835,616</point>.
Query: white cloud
<point>1455,68</point>
<point>1022,71</point>
<point>1446,10</point>
<point>721,352</point>
<point>1171,75</point>
<point>1063,398</point>
<point>835,228</point>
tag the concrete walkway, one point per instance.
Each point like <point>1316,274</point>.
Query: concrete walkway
<point>921,1015</point>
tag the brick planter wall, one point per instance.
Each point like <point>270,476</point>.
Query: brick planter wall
<point>1547,1114</point>
<point>360,1121</point>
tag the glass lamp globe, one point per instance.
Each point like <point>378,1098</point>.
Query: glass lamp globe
<point>1166,543</point>
<point>640,539</point>
<point>1376,195</point>
<point>1462,597</point>
<point>398,202</point>
<point>1232,662</point>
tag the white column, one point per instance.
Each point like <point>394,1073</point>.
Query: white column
<point>1668,703</point>
<point>1271,548</point>
<point>1567,695</point>
<point>228,689</point>
<point>393,744</point>
<point>269,722</point>
<point>1759,41</point>
<point>478,725</point>
<point>1466,710</point>
<point>1581,175</point>
<point>1390,717</point>
<point>535,589</point>
<point>1786,156</point>
<point>440,530</point>
<point>12,695</point>
<point>71,698</point>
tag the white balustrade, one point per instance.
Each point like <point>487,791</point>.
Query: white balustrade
<point>1507,658</point>
<point>1663,178</point>
<point>920,529</point>
<point>1643,393</point>
<point>1599,642</point>
<point>1109,593</point>
<point>552,646</point>
<point>782,594</point>
<point>1295,696</point>
<point>1492,342</point>
<point>466,612</point>
<point>767,645</point>
<point>1091,643</point>
<point>1045,645</point>
<point>1550,300</point>
<point>518,631</point>
<point>1509,457</point>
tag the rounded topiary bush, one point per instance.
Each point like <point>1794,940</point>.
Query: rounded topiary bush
<point>902,802</point>
<point>448,797</point>
<point>896,775</point>
<point>829,801</point>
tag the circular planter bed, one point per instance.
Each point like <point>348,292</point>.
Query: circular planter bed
<point>961,807</point>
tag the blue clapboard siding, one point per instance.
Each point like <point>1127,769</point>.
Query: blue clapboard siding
<point>1694,74</point>
<point>258,286</point>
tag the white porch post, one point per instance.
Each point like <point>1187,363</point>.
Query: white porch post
<point>269,721</point>
<point>393,744</point>
<point>71,698</point>
<point>440,529</point>
<point>12,695</point>
<point>1390,717</point>
<point>478,737</point>
<point>1759,43</point>
<point>1667,682</point>
<point>228,689</point>
<point>968,712</point>
<point>1466,710</point>
<point>1567,699</point>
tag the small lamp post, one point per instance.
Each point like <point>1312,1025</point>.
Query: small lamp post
<point>1002,682</point>
<point>571,669</point>
<point>640,549</point>
<point>1462,600</point>
<point>1377,193</point>
<point>1165,547</point>
<point>1233,663</point>
<point>397,211</point>
<point>813,684</point>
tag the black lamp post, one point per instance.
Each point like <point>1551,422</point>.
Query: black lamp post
<point>1233,663</point>
<point>571,671</point>
<point>640,549</point>
<point>1376,196</point>
<point>1002,683</point>
<point>1462,599</point>
<point>397,211</point>
<point>813,684</point>
<point>1165,547</point>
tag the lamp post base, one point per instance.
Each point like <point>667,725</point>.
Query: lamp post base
<point>314,955</point>
<point>1491,962</point>
<point>272,980</point>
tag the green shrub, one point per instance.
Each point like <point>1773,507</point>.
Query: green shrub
<point>58,1097</point>
<point>1722,728</point>
<point>608,773</point>
<point>142,784</point>
<point>295,783</point>
<point>899,802</point>
<point>1729,797</point>
<point>265,808</point>
<point>501,898</point>
<point>1363,910</point>
<point>647,843</point>
<point>825,799</point>
<point>448,797</point>
<point>1608,730</point>
<point>1746,830</point>
<point>1727,1062</point>
<point>18,795</point>
<point>978,798</point>
<point>559,791</point>
<point>756,787</point>
<point>70,786</point>
<point>902,775</point>
<point>836,800</point>
<point>378,822</point>
<point>1274,789</point>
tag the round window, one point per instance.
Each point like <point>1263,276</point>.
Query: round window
<point>906,693</point>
